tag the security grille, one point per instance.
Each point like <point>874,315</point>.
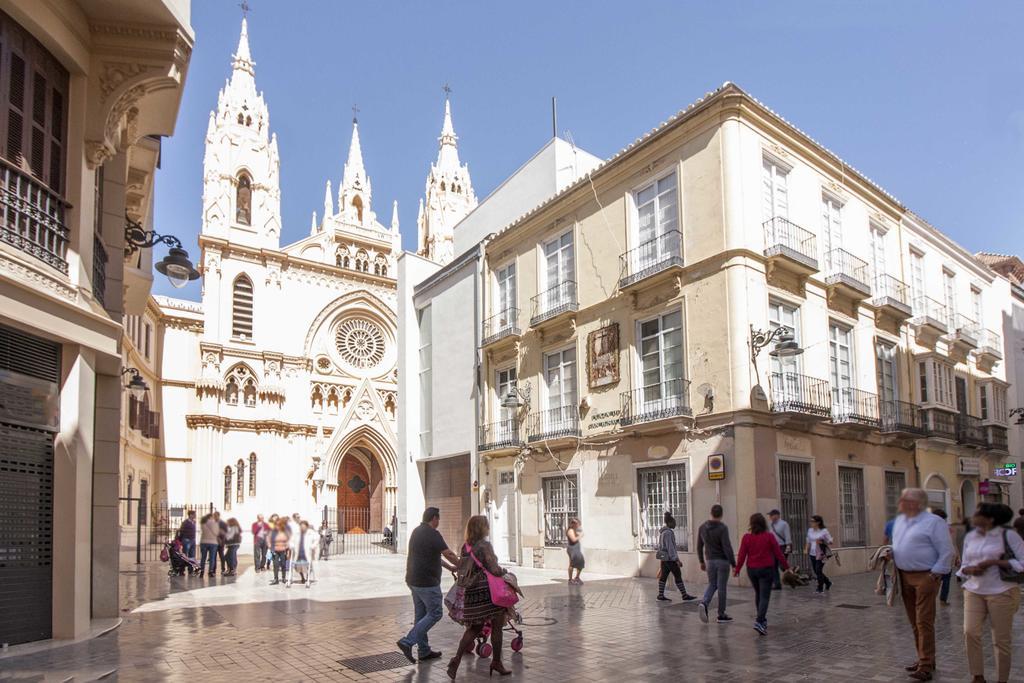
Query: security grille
<point>795,495</point>
<point>895,482</point>
<point>561,502</point>
<point>29,370</point>
<point>661,490</point>
<point>851,506</point>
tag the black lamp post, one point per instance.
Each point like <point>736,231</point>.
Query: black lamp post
<point>176,265</point>
<point>136,385</point>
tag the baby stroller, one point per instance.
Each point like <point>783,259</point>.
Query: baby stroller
<point>484,649</point>
<point>173,552</point>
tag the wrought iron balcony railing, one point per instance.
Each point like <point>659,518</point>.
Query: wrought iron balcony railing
<point>853,406</point>
<point>890,291</point>
<point>843,268</point>
<point>553,423</point>
<point>939,423</point>
<point>796,393</point>
<point>969,431</point>
<point>784,238</point>
<point>32,218</point>
<point>501,434</point>
<point>559,299</point>
<point>928,311</point>
<point>997,438</point>
<point>651,257</point>
<point>99,270</point>
<point>656,402</point>
<point>501,325</point>
<point>900,416</point>
<point>964,329</point>
<point>990,343</point>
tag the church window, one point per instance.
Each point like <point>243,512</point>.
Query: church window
<point>357,204</point>
<point>227,487</point>
<point>317,399</point>
<point>346,398</point>
<point>332,402</point>
<point>360,342</point>
<point>240,118</point>
<point>249,392</point>
<point>380,265</point>
<point>362,261</point>
<point>389,405</point>
<point>243,200</point>
<point>241,308</point>
<point>442,186</point>
<point>248,120</point>
<point>231,392</point>
<point>240,482</point>
<point>252,474</point>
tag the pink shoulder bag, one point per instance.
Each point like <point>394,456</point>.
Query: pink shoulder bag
<point>502,594</point>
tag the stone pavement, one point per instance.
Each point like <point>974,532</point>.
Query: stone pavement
<point>611,629</point>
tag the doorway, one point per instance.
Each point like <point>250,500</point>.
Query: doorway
<point>503,518</point>
<point>354,496</point>
<point>795,498</point>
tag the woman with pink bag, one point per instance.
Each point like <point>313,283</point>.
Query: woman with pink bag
<point>486,595</point>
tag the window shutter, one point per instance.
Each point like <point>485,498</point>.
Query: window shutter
<point>154,425</point>
<point>15,108</point>
<point>133,422</point>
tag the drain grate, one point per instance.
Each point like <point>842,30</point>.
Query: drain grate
<point>847,605</point>
<point>371,663</point>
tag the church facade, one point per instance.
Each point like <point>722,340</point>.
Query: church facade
<point>279,389</point>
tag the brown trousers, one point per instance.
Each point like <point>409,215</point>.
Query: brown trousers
<point>999,609</point>
<point>919,591</point>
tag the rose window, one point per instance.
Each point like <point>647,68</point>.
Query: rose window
<point>360,342</point>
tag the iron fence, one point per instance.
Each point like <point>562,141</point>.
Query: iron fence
<point>356,531</point>
<point>146,527</point>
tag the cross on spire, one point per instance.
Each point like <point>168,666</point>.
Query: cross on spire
<point>355,113</point>
<point>245,9</point>
<point>447,89</point>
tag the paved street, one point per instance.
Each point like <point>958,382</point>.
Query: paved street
<point>610,629</point>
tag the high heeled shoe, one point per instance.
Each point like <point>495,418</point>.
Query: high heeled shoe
<point>453,667</point>
<point>500,668</point>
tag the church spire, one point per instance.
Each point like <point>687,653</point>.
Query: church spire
<point>243,58</point>
<point>448,151</point>
<point>354,171</point>
<point>394,216</point>
<point>354,191</point>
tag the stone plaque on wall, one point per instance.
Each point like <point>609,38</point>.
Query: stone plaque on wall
<point>603,356</point>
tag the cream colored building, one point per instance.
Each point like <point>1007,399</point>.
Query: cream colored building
<point>622,315</point>
<point>88,89</point>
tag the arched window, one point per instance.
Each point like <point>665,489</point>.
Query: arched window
<point>227,487</point>
<point>442,186</point>
<point>243,200</point>
<point>332,401</point>
<point>241,308</point>
<point>240,118</point>
<point>240,482</point>
<point>249,393</point>
<point>231,392</point>
<point>357,204</point>
<point>252,474</point>
<point>316,400</point>
<point>248,120</point>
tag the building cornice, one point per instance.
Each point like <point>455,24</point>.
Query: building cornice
<point>259,426</point>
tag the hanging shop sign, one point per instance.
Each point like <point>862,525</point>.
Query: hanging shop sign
<point>716,467</point>
<point>1007,470</point>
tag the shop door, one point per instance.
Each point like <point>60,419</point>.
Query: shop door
<point>29,373</point>
<point>503,518</point>
<point>795,494</point>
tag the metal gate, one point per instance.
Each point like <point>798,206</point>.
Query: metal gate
<point>29,396</point>
<point>353,534</point>
<point>160,523</point>
<point>795,492</point>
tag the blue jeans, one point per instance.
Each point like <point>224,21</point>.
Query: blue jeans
<point>231,557</point>
<point>944,590</point>
<point>718,580</point>
<point>429,605</point>
<point>762,580</point>
<point>208,550</point>
<point>189,548</point>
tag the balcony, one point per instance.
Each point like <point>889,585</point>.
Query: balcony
<point>989,351</point>
<point>789,247</point>
<point>99,271</point>
<point>503,325</point>
<point>656,402</point>
<point>854,407</point>
<point>32,218</point>
<point>900,418</point>
<point>846,275</point>
<point>892,297</point>
<point>929,321</point>
<point>800,395</point>
<point>996,439</point>
<point>500,435</point>
<point>939,424</point>
<point>556,302</point>
<point>969,431</point>
<point>556,423</point>
<point>661,255</point>
<point>963,334</point>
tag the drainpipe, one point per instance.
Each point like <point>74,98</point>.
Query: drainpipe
<point>478,364</point>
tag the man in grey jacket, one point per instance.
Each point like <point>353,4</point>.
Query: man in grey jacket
<point>713,539</point>
<point>784,536</point>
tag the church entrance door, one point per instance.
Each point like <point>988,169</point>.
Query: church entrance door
<point>353,496</point>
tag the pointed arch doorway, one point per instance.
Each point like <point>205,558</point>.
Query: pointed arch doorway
<point>360,493</point>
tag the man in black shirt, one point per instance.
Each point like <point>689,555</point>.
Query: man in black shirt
<point>423,576</point>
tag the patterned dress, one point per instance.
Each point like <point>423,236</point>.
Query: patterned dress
<point>478,607</point>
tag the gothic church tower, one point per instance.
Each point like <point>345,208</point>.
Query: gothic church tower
<point>241,169</point>
<point>449,197</point>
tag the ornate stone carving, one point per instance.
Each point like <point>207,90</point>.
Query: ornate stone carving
<point>115,74</point>
<point>38,279</point>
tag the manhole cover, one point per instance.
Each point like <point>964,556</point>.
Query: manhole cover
<point>371,663</point>
<point>849,606</point>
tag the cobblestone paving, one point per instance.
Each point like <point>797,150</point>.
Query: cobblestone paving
<point>606,630</point>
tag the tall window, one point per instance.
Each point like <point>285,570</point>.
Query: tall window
<point>831,227</point>
<point>147,339</point>
<point>227,487</point>
<point>840,365</point>
<point>998,407</point>
<point>885,366</point>
<point>851,506</point>
<point>243,200</point>
<point>242,308</point>
<point>143,500</point>
<point>917,278</point>
<point>559,269</point>
<point>976,307</point>
<point>895,482</point>
<point>231,392</point>
<point>936,379</point>
<point>878,258</point>
<point>505,292</point>
<point>505,381</point>
<point>426,382</point>
<point>983,401</point>
<point>661,490</point>
<point>561,503</point>
<point>949,293</point>
<point>783,315</point>
<point>240,481</point>
<point>252,474</point>
<point>657,222</point>
<point>661,358</point>
<point>774,193</point>
<point>560,382</point>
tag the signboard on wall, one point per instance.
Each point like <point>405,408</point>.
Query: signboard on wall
<point>716,467</point>
<point>969,466</point>
<point>1006,470</point>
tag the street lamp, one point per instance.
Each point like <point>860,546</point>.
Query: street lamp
<point>176,265</point>
<point>516,397</point>
<point>136,385</point>
<point>786,345</point>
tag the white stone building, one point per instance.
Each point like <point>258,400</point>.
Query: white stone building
<point>280,388</point>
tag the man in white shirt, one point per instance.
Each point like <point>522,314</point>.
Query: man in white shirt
<point>784,536</point>
<point>923,552</point>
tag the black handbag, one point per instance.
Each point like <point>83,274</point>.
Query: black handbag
<point>1009,574</point>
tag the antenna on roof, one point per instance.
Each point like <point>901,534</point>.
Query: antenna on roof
<point>554,117</point>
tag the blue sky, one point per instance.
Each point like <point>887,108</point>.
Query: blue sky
<point>926,99</point>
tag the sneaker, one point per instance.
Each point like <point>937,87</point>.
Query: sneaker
<point>664,599</point>
<point>702,612</point>
<point>761,628</point>
<point>724,619</point>
<point>819,591</point>
<point>688,598</point>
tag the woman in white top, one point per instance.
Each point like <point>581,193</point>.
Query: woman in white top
<point>818,540</point>
<point>986,593</point>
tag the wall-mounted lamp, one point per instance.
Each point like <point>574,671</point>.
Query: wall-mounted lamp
<point>517,396</point>
<point>136,385</point>
<point>176,265</point>
<point>786,345</point>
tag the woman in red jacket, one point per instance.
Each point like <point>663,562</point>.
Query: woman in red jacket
<point>760,551</point>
